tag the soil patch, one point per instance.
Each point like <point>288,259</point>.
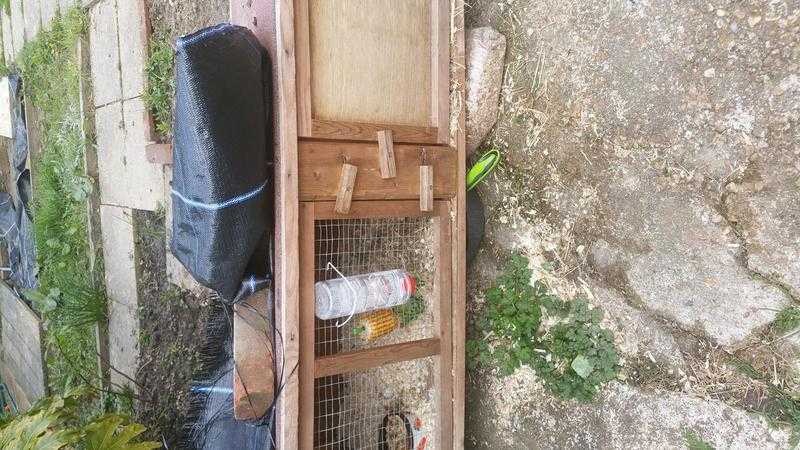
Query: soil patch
<point>170,18</point>
<point>172,324</point>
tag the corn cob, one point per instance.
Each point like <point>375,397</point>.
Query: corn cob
<point>373,325</point>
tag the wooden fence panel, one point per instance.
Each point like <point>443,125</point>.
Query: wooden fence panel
<point>21,353</point>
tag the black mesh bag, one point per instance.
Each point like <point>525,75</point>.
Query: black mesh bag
<point>221,182</point>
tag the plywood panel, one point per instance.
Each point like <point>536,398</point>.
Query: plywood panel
<point>368,65</point>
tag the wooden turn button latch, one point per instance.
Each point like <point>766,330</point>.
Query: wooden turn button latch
<point>386,154</point>
<point>425,184</point>
<point>344,195</point>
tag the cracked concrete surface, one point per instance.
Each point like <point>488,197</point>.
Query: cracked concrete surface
<point>652,156</point>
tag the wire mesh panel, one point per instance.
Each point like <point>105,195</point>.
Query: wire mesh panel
<point>351,247</point>
<point>368,409</point>
<point>362,389</point>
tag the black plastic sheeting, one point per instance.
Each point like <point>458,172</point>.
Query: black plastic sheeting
<point>212,425</point>
<point>15,220</point>
<point>221,184</point>
<point>476,222</point>
<point>221,206</point>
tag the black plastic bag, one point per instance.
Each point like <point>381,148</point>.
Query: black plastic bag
<point>221,185</point>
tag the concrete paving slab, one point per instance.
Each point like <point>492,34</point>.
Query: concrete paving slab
<point>126,177</point>
<point>32,13</point>
<point>145,188</point>
<point>133,55</point>
<point>17,25</point>
<point>104,55</point>
<point>123,304</point>
<point>8,37</point>
<point>110,132</point>
<point>49,9</point>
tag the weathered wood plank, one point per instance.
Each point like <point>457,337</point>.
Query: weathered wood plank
<point>22,353</point>
<point>344,193</point>
<point>375,357</point>
<point>459,233</point>
<point>320,170</point>
<point>254,377</point>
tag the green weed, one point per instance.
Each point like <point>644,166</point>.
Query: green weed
<point>160,91</point>
<point>573,358</point>
<point>72,302</point>
<point>695,442</point>
<point>410,311</point>
<point>787,320</point>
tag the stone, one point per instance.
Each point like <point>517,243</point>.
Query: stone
<point>636,333</point>
<point>485,55</point>
<point>123,304</point>
<point>767,212</point>
<point>104,55</point>
<point>684,267</point>
<point>622,417</point>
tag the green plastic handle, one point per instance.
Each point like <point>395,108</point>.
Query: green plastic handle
<point>483,167</point>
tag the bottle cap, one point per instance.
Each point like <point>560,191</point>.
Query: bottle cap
<point>410,284</point>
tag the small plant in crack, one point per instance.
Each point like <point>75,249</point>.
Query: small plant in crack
<point>695,442</point>
<point>573,357</point>
<point>787,320</point>
<point>160,91</point>
<point>781,408</point>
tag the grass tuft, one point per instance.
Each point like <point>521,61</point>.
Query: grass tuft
<point>788,320</point>
<point>51,79</point>
<point>160,91</point>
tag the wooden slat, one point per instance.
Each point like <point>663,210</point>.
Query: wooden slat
<point>320,164</point>
<point>426,188</point>
<point>287,264</point>
<point>307,305</point>
<point>303,46</point>
<point>254,377</point>
<point>375,357</point>
<point>386,161</point>
<point>404,134</point>
<point>344,191</point>
<point>375,209</point>
<point>444,293</point>
<point>440,68</point>
<point>459,237</point>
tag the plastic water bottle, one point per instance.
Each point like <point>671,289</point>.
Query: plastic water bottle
<point>340,297</point>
